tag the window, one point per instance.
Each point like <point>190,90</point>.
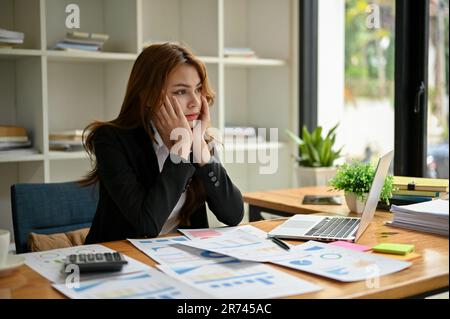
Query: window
<point>437,137</point>
<point>356,75</point>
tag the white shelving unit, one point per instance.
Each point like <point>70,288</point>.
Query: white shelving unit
<point>46,90</point>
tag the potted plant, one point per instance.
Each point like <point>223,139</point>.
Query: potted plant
<point>355,180</point>
<point>316,161</point>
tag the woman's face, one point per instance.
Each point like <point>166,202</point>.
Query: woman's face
<point>184,84</point>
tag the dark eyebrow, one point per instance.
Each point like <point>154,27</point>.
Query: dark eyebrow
<point>187,86</point>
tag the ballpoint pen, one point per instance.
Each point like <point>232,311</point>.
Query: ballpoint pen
<point>280,243</point>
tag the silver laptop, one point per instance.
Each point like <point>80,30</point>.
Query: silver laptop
<point>332,228</point>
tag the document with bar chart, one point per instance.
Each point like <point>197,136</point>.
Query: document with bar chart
<point>170,252</point>
<point>241,245</point>
<point>240,280</point>
<point>150,284</point>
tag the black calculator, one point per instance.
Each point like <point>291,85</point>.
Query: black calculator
<point>99,262</point>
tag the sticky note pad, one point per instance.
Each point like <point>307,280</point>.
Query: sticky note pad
<point>398,249</point>
<point>351,246</point>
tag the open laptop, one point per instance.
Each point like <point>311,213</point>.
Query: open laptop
<point>332,228</point>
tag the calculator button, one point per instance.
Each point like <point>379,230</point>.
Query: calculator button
<point>99,256</point>
<point>90,257</point>
<point>82,257</point>
<point>72,258</point>
<point>108,256</point>
<point>116,256</point>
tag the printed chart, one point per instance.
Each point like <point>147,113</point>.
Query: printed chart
<point>339,263</point>
<point>150,284</point>
<point>170,252</point>
<point>240,280</point>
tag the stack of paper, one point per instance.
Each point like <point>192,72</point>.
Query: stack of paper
<point>9,38</point>
<point>70,140</point>
<point>14,140</point>
<point>82,41</point>
<point>431,217</point>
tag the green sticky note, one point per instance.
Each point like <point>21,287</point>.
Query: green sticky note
<point>398,249</point>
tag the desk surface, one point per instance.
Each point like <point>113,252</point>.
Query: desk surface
<point>427,273</point>
<point>290,200</point>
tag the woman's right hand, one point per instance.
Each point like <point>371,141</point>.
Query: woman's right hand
<point>170,120</point>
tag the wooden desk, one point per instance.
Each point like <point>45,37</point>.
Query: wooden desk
<point>428,273</point>
<point>285,202</point>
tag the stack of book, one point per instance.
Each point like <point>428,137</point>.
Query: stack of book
<point>229,52</point>
<point>67,141</point>
<point>15,141</point>
<point>430,217</point>
<point>10,38</point>
<point>82,41</point>
<point>410,190</point>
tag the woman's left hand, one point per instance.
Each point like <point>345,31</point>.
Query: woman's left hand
<point>205,118</point>
<point>202,155</point>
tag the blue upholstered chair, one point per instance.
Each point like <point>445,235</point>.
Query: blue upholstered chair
<point>50,208</point>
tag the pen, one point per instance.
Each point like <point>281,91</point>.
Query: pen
<point>280,243</point>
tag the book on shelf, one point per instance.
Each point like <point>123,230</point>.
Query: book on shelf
<point>239,52</point>
<point>88,36</point>
<point>67,140</point>
<point>8,41</point>
<point>9,38</point>
<point>13,138</point>
<point>421,184</point>
<point>82,41</point>
<point>9,34</point>
<point>11,130</point>
<point>18,152</point>
<point>14,145</point>
<point>76,47</point>
<point>66,147</point>
<point>68,135</point>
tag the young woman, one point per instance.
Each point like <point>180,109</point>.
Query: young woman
<point>151,184</point>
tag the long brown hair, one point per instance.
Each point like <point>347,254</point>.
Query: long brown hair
<point>144,95</point>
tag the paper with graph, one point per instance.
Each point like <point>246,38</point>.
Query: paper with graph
<point>204,233</point>
<point>241,245</point>
<point>339,263</point>
<point>150,284</point>
<point>240,280</point>
<point>50,263</point>
<point>170,252</point>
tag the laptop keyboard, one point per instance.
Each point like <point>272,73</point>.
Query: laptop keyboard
<point>334,227</point>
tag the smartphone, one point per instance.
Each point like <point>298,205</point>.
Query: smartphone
<point>321,200</point>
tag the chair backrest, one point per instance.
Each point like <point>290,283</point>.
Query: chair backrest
<point>50,208</point>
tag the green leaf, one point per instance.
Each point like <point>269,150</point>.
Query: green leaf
<point>317,136</point>
<point>331,132</point>
<point>306,135</point>
<point>294,137</point>
<point>313,153</point>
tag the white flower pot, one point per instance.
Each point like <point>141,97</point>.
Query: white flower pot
<point>314,176</point>
<point>355,204</point>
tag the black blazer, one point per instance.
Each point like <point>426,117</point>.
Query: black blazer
<point>135,198</point>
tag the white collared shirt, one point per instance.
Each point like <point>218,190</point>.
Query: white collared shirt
<point>162,152</point>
